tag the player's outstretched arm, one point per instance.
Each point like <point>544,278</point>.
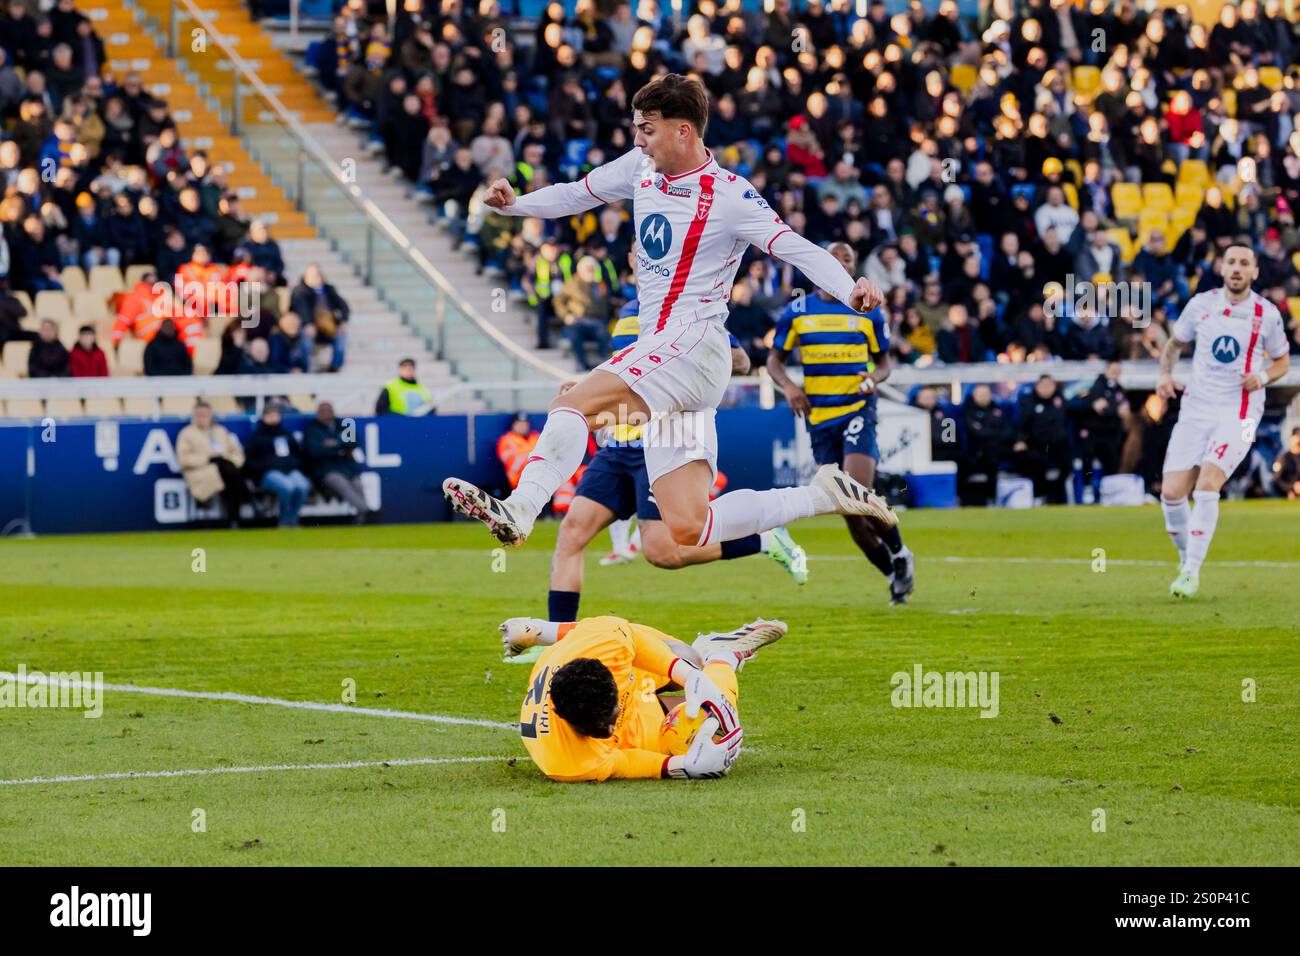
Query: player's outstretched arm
<point>520,633</point>
<point>606,183</point>
<point>827,271</point>
<point>1166,388</point>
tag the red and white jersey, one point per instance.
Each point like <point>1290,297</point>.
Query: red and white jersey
<point>1231,341</point>
<point>691,231</point>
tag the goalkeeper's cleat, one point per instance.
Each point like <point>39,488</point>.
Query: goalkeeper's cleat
<point>617,557</point>
<point>782,549</point>
<point>1186,584</point>
<point>852,498</point>
<point>505,522</point>
<point>738,646</point>
<point>903,583</point>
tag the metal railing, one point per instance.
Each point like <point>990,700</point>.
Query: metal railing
<point>335,205</point>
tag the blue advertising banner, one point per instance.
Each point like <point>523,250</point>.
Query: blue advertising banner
<point>124,475</point>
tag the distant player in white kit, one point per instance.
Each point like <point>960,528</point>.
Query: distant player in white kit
<point>1241,346</point>
<point>693,223</point>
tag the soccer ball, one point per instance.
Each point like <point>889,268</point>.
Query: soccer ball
<point>677,732</point>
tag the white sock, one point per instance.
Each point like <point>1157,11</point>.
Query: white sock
<point>636,536</point>
<point>618,533</point>
<point>741,513</point>
<point>765,542</point>
<point>556,457</point>
<point>1177,515</point>
<point>1201,532</point>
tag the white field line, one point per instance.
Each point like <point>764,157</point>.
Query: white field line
<point>267,701</point>
<point>971,559</point>
<point>269,768</point>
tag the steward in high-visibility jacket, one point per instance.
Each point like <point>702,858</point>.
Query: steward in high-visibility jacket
<point>545,280</point>
<point>514,447</point>
<point>403,395</point>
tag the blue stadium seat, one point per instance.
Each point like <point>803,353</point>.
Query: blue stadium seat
<point>608,74</point>
<point>985,243</point>
<point>1023,189</point>
<point>575,154</point>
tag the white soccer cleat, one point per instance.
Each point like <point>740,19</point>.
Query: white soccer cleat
<point>617,557</point>
<point>852,498</point>
<point>1186,585</point>
<point>742,643</point>
<point>507,525</point>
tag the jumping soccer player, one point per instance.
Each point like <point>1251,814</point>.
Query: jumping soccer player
<point>693,223</point>
<point>592,710</point>
<point>837,346</point>
<point>1241,346</point>
<point>616,485</point>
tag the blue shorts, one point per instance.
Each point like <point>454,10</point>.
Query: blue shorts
<point>617,478</point>
<point>855,435</point>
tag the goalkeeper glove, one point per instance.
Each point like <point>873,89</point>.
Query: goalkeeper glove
<point>520,633</point>
<point>702,692</point>
<point>707,759</point>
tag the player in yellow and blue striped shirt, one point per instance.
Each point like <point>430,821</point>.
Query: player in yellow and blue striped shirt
<point>845,355</point>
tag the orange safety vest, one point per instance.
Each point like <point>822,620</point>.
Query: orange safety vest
<point>513,451</point>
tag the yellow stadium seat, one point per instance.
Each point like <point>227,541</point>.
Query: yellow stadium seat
<point>1293,305</point>
<point>15,357</point>
<point>1087,80</point>
<point>89,306</point>
<point>282,297</point>
<point>1073,166</point>
<point>224,405</point>
<point>1230,101</point>
<point>106,279</point>
<point>30,323</point>
<point>139,405</point>
<point>181,405</point>
<point>130,357</point>
<point>53,305</point>
<point>110,352</point>
<point>135,273</point>
<point>1127,199</point>
<point>207,353</point>
<point>72,279</point>
<point>1157,196</point>
<point>1295,261</point>
<point>69,332</point>
<point>1122,239</point>
<point>7,373</point>
<point>1189,196</point>
<point>64,408</point>
<point>1194,171</point>
<point>103,407</point>
<point>303,402</point>
<point>24,408</point>
<point>1271,77</point>
<point>963,77</point>
<point>1071,195</point>
<point>26,300</point>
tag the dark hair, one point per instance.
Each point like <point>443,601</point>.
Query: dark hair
<point>583,692</point>
<point>1243,245</point>
<point>674,96</point>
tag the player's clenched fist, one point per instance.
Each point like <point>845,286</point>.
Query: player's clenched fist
<point>499,195</point>
<point>866,296</point>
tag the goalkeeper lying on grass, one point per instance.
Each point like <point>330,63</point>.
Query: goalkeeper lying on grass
<point>593,711</point>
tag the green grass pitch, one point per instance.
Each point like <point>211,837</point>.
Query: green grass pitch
<point>1113,698</point>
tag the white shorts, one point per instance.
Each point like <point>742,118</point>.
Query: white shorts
<point>681,374</point>
<point>1222,442</point>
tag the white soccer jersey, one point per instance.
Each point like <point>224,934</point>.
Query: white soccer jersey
<point>691,231</point>
<point>1231,341</point>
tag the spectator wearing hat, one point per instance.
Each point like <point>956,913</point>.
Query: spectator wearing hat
<point>275,464</point>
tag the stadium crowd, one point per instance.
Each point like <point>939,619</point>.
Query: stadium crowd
<point>94,173</point>
<point>984,172</point>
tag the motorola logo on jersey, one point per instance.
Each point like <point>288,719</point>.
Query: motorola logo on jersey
<point>656,235</point>
<point>1226,348</point>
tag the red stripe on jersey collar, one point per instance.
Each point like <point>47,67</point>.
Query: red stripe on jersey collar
<point>698,169</point>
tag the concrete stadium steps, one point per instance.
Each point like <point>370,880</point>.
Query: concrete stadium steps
<point>131,45</point>
<point>393,196</point>
<point>378,338</point>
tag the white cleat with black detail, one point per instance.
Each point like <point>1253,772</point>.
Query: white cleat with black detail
<point>507,526</point>
<point>853,498</point>
<point>742,643</point>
